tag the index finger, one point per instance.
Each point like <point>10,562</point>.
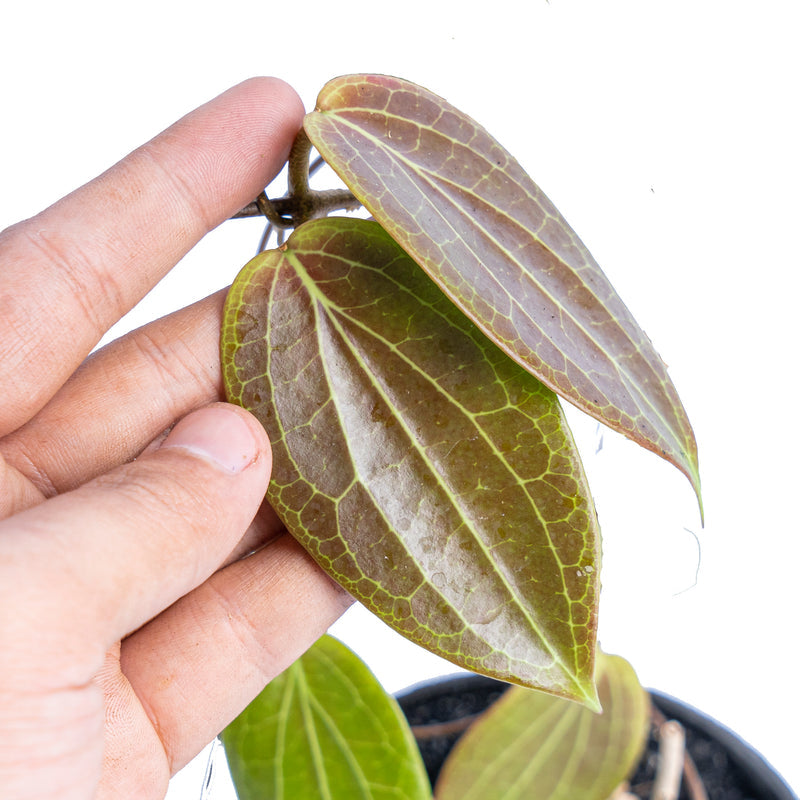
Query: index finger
<point>72,271</point>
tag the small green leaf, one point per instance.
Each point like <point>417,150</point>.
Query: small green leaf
<point>466,211</point>
<point>530,746</point>
<point>325,729</point>
<point>430,475</point>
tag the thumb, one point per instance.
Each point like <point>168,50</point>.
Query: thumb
<point>99,561</point>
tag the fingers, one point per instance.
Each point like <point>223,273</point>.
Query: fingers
<point>197,665</point>
<point>135,764</point>
<point>121,398</point>
<point>16,491</point>
<point>111,555</point>
<point>73,270</point>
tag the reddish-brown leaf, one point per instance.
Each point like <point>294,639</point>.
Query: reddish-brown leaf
<point>467,212</point>
<point>427,472</point>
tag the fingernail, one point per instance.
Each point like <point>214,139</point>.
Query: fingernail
<point>217,434</point>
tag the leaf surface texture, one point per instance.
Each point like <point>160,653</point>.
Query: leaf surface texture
<point>530,746</point>
<point>423,469</point>
<point>325,729</point>
<point>467,212</point>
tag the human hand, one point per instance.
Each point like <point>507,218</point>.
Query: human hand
<point>131,627</point>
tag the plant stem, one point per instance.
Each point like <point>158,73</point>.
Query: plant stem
<point>694,783</point>
<point>298,165</point>
<point>301,203</point>
<point>671,749</point>
<point>434,729</point>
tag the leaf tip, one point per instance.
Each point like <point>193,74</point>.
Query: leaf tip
<point>692,472</point>
<point>590,699</point>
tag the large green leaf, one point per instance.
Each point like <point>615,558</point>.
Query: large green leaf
<point>326,729</point>
<point>530,746</point>
<point>426,471</point>
<point>466,211</point>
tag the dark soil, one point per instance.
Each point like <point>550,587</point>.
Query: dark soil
<point>722,777</point>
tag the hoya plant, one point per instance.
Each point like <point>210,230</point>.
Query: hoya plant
<point>409,370</point>
<point>326,729</point>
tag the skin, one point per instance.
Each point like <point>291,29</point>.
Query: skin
<point>134,624</point>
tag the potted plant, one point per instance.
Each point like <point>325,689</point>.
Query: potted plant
<point>326,728</point>
<point>408,369</point>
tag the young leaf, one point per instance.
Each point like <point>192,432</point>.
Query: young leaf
<point>532,746</point>
<point>325,728</point>
<point>428,473</point>
<point>466,211</point>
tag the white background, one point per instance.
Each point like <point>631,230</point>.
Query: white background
<point>666,133</point>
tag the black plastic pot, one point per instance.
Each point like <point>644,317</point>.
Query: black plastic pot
<point>729,767</point>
